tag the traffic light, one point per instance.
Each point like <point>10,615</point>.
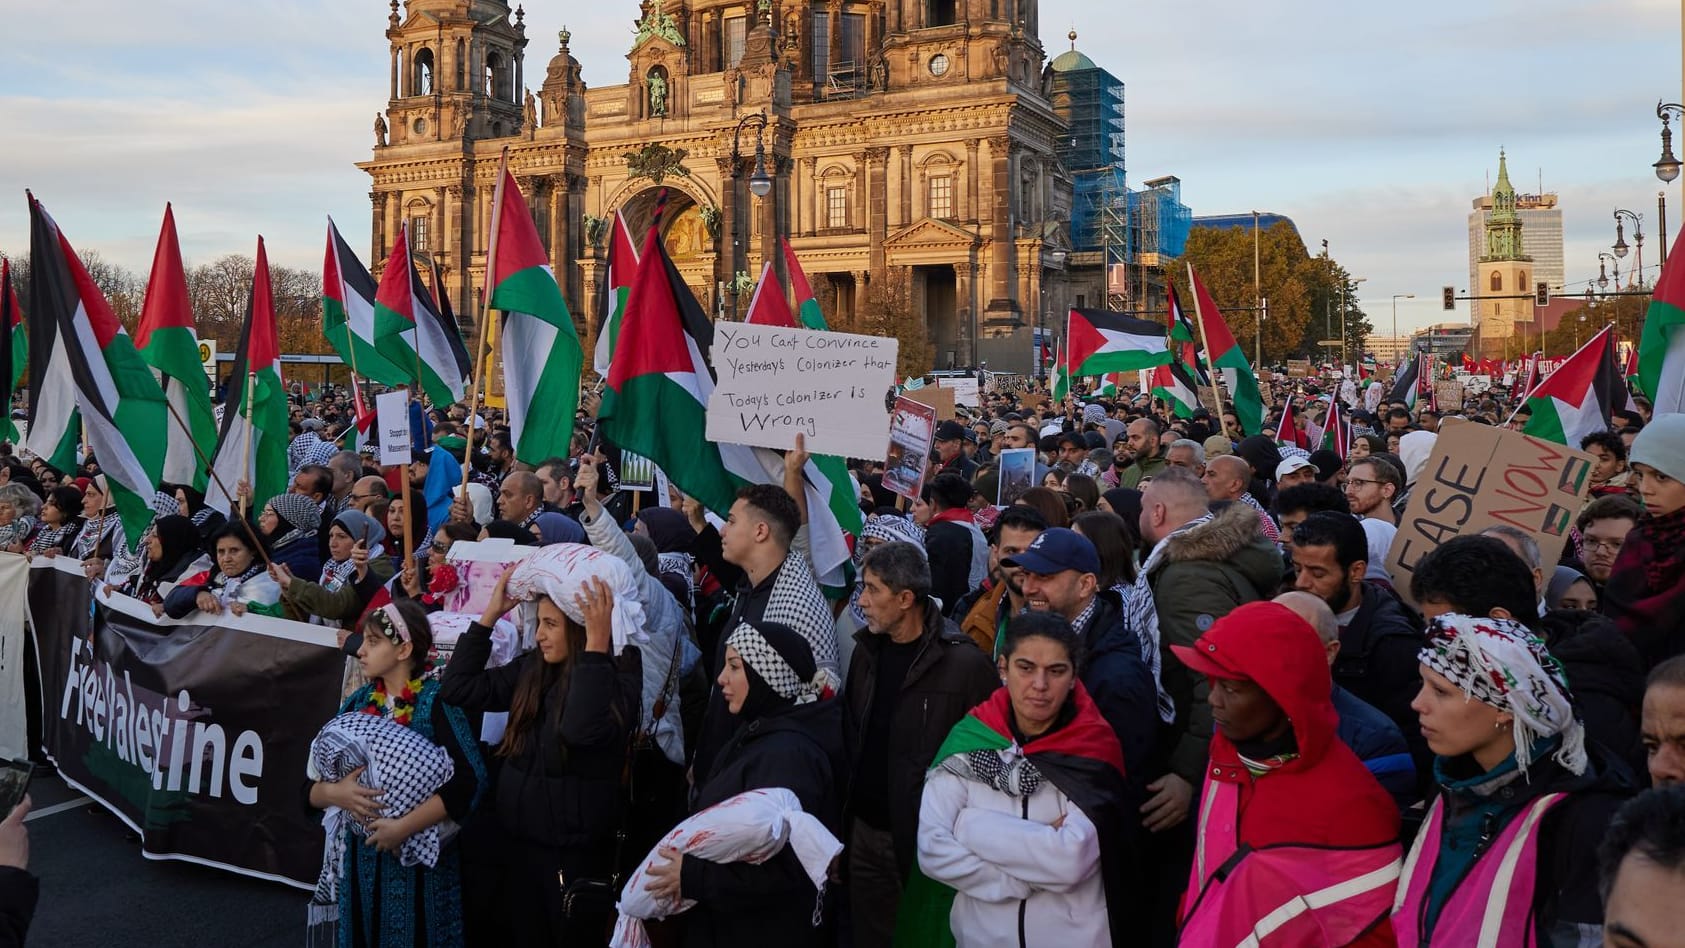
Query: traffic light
<point>1541,294</point>
<point>1448,295</point>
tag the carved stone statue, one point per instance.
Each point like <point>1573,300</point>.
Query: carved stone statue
<point>459,123</point>
<point>658,24</point>
<point>657,94</point>
<point>711,221</point>
<point>595,227</point>
<point>379,130</point>
<point>529,112</point>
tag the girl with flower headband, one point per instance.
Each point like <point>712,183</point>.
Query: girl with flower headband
<point>1506,853</point>
<point>572,706</point>
<point>382,901</point>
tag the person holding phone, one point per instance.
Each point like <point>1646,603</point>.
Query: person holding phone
<point>18,889</point>
<point>355,569</point>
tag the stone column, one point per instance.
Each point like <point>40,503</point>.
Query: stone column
<point>378,241</point>
<point>816,193</point>
<point>910,210</point>
<point>896,183</point>
<point>965,304</point>
<point>877,205</point>
<point>731,235</point>
<point>857,208</point>
<point>968,183</point>
<point>438,241</point>
<point>1001,266</point>
<point>394,72</point>
<point>862,282</point>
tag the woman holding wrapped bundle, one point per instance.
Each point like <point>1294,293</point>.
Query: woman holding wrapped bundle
<point>786,737</point>
<point>398,880</point>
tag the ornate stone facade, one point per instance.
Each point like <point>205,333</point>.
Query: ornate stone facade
<point>908,141</point>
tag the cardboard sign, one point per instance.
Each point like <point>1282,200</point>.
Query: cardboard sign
<point>941,399</point>
<point>912,431</point>
<point>392,418</point>
<point>1449,395</point>
<point>1298,368</point>
<point>964,388</point>
<point>775,383</point>
<point>1480,476</point>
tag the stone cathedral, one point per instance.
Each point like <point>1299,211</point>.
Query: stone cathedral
<point>910,145</point>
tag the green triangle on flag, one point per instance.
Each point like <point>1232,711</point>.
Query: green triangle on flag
<point>167,341</point>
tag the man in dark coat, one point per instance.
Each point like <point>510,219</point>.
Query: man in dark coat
<point>959,553</point>
<point>949,445</point>
<point>912,677</point>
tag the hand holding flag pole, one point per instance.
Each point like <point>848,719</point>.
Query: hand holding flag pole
<point>485,318</point>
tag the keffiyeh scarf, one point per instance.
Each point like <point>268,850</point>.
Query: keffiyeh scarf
<point>1142,615</point>
<point>126,562</point>
<point>54,538</point>
<point>1007,771</point>
<point>16,531</point>
<point>1501,663</point>
<point>300,513</point>
<point>771,666</point>
<point>797,602</point>
<point>890,530</point>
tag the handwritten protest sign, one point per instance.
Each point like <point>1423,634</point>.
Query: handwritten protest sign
<point>392,415</point>
<point>1479,476</point>
<point>912,430</point>
<point>1449,395</point>
<point>964,388</point>
<point>775,383</point>
<point>1298,368</point>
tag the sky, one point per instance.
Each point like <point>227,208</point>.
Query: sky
<point>1371,125</point>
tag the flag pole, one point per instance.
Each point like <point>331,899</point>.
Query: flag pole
<point>1199,314</point>
<point>485,316</point>
<point>251,439</point>
<point>404,492</point>
<point>211,470</point>
<point>1535,387</point>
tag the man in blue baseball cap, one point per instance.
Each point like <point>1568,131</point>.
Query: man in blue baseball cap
<point>1061,575</point>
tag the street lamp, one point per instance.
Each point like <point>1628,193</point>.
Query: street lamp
<point>1667,166</point>
<point>760,185</point>
<point>1620,248</point>
<point>1605,259</point>
<point>1395,298</point>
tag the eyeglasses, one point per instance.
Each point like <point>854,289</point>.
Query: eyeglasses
<point>1604,546</point>
<point>438,547</point>
<point>1359,482</point>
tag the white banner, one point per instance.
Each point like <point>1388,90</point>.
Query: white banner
<point>14,723</point>
<point>775,383</point>
<point>392,418</point>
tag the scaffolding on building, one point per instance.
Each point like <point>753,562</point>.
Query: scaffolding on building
<point>1093,100</point>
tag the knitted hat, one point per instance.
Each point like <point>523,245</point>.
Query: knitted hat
<point>1662,446</point>
<point>1501,663</point>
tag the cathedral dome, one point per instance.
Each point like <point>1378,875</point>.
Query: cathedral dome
<point>1071,61</point>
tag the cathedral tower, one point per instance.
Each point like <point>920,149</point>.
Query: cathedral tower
<point>1505,271</point>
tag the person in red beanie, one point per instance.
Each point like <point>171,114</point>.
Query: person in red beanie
<point>1298,843</point>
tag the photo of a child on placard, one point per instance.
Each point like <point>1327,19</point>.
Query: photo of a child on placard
<point>1017,474</point>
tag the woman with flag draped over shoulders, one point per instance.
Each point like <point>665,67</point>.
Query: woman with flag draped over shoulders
<point>1022,829</point>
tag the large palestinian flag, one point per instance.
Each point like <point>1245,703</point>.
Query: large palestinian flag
<point>410,332</point>
<point>1576,399</point>
<point>252,445</point>
<point>655,405</point>
<point>1407,382</point>
<point>348,313</point>
<point>1098,342</point>
<point>807,307</point>
<point>542,357</point>
<point>14,344</point>
<point>167,341</point>
<point>1177,384</point>
<point>1661,347</point>
<point>617,285</point>
<point>120,401</point>
<point>1227,357</point>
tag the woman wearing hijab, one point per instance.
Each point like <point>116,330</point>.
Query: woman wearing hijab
<point>669,529</point>
<point>171,550</point>
<point>60,521</point>
<point>1506,853</point>
<point>786,737</point>
<point>1022,826</point>
<point>236,582</point>
<point>355,570</point>
<point>126,563</point>
<point>288,524</point>
<point>550,527</point>
<point>102,531</point>
<point>192,505</point>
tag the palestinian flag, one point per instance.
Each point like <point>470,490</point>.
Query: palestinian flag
<point>1406,383</point>
<point>617,285</point>
<point>655,405</point>
<point>14,345</point>
<point>1225,355</point>
<point>1098,342</point>
<point>1630,372</point>
<point>768,307</point>
<point>363,418</point>
<point>1365,368</point>
<point>1061,388</point>
<point>1577,398</point>
<point>1108,387</point>
<point>348,313</point>
<point>1661,346</point>
<point>55,424</point>
<point>1083,760</point>
<point>119,399</point>
<point>410,332</point>
<point>253,443</point>
<point>1336,431</point>
<point>1177,384</point>
<point>542,357</point>
<point>807,308</point>
<point>1288,431</point>
<point>168,342</point>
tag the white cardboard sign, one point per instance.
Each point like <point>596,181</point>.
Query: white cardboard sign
<point>392,415</point>
<point>776,382</point>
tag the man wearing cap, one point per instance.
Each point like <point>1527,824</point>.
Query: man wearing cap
<point>950,451</point>
<point>1148,453</point>
<point>1289,815</point>
<point>1294,471</point>
<point>1061,575</point>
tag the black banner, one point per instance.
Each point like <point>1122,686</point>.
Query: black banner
<point>194,734</point>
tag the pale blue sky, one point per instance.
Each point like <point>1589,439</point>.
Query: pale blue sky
<point>1370,124</point>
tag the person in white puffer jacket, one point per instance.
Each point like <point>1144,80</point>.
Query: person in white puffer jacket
<point>1022,822</point>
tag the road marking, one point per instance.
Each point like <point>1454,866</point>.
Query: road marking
<point>57,808</point>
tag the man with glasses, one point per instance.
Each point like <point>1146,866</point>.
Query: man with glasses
<point>1371,485</point>
<point>366,492</point>
<point>1603,527</point>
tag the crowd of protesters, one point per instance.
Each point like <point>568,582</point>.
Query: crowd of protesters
<point>1171,694</point>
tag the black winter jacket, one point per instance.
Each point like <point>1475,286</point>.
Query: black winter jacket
<point>563,790</point>
<point>1377,663</point>
<point>949,676</point>
<point>800,749</point>
<point>1121,683</point>
<point>1606,675</point>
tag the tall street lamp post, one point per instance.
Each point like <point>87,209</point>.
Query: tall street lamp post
<point>1667,166</point>
<point>1395,298</point>
<point>1621,216</point>
<point>760,185</point>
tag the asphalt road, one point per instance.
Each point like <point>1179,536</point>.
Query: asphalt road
<point>97,890</point>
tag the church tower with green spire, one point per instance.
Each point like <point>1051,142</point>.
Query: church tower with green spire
<point>1505,271</point>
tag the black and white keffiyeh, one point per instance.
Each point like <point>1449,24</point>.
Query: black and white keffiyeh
<point>1142,615</point>
<point>407,769</point>
<point>1007,771</point>
<point>797,602</point>
<point>771,666</point>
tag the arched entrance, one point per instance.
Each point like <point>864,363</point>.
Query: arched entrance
<point>685,234</point>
